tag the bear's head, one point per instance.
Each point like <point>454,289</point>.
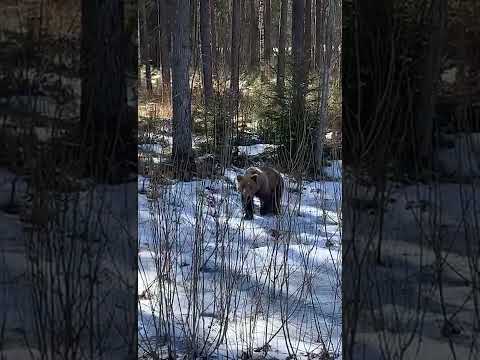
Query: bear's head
<point>248,185</point>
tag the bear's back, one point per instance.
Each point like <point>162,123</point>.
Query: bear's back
<point>269,178</point>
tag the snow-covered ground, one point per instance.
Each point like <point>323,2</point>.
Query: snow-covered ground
<point>422,303</point>
<point>211,283</point>
<point>463,158</point>
<point>35,270</point>
<point>334,170</point>
<point>252,150</point>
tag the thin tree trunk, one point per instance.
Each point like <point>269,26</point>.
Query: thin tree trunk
<point>245,40</point>
<point>213,32</point>
<point>155,36</point>
<point>429,83</point>
<point>234,81</point>
<point>308,34</point>
<point>235,52</point>
<point>267,34</point>
<point>165,35</point>
<point>254,37</point>
<point>325,67</point>
<point>147,57</point>
<point>11,203</point>
<point>196,46</point>
<point>139,37</point>
<point>206,39</point>
<point>282,42</point>
<point>318,33</point>
<point>298,111</point>
<point>226,42</point>
<point>298,16</point>
<point>182,154</point>
<point>140,40</point>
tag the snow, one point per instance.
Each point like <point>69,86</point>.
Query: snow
<point>205,272</point>
<point>463,158</point>
<point>252,150</point>
<point>405,292</point>
<point>106,210</point>
<point>334,170</point>
<point>156,148</point>
<point>162,145</point>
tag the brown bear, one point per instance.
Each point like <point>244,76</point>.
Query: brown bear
<point>264,183</point>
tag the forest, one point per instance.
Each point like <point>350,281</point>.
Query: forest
<point>239,179</point>
<point>225,86</point>
<point>411,151</point>
<point>170,177</point>
<point>257,72</point>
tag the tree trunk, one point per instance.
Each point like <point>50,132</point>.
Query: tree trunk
<point>235,51</point>
<point>254,37</point>
<point>234,81</point>
<point>308,34</point>
<point>182,154</point>
<point>213,32</point>
<point>245,40</point>
<point>297,128</point>
<point>140,36</point>
<point>298,16</point>
<point>226,38</point>
<point>318,33</point>
<point>324,69</point>
<point>154,20</point>
<point>282,42</point>
<point>431,71</point>
<point>206,39</point>
<point>267,32</point>
<point>147,56</point>
<point>195,34</point>
<point>105,125</point>
<point>165,35</point>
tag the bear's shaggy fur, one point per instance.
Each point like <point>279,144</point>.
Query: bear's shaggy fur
<point>266,184</point>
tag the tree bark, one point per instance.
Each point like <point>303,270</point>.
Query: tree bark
<point>226,40</point>
<point>105,125</point>
<point>267,34</point>
<point>298,16</point>
<point>213,25</point>
<point>318,33</point>
<point>308,34</point>
<point>324,86</point>
<point>235,52</point>
<point>165,36</point>
<point>254,36</point>
<point>234,81</point>
<point>154,20</point>
<point>182,154</point>
<point>147,57</point>
<point>206,40</point>
<point>298,111</point>
<point>431,71</point>
<point>282,42</point>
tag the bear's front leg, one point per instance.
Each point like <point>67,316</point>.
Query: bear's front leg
<point>277,204</point>
<point>248,208</point>
<point>266,206</point>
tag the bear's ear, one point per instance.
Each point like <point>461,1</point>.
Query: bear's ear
<point>254,177</point>
<point>239,178</point>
